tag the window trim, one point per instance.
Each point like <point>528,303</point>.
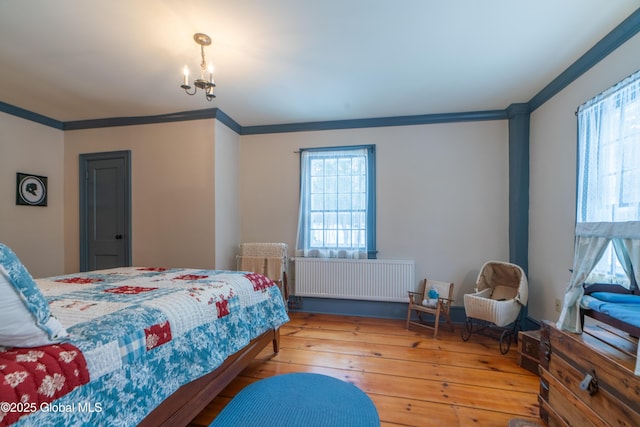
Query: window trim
<point>371,188</point>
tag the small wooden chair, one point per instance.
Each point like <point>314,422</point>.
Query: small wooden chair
<point>421,303</point>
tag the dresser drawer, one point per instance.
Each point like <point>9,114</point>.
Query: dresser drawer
<point>564,390</point>
<point>528,363</point>
<point>549,415</point>
<point>529,350</point>
<point>567,408</point>
<point>529,343</point>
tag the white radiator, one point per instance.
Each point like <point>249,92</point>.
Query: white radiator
<point>361,279</point>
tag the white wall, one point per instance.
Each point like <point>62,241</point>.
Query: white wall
<point>553,147</point>
<point>172,190</point>
<point>442,193</point>
<point>36,234</point>
<point>227,219</point>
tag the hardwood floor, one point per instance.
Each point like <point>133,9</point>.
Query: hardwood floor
<point>413,379</point>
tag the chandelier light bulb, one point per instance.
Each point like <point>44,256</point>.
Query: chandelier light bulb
<point>185,72</point>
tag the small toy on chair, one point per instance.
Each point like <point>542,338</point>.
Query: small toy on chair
<point>432,299</point>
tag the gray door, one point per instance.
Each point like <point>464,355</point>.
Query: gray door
<point>105,210</point>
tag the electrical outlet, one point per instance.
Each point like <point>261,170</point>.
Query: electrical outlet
<point>558,305</point>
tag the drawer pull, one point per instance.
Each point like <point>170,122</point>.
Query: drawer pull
<point>590,384</point>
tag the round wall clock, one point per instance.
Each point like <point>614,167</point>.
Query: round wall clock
<point>31,190</point>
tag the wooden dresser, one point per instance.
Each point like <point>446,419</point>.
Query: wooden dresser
<point>587,379</point>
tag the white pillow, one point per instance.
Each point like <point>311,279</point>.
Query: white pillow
<point>25,319</point>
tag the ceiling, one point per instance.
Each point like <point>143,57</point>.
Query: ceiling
<point>291,61</point>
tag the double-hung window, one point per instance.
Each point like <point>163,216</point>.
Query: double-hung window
<point>609,175</point>
<point>337,202</point>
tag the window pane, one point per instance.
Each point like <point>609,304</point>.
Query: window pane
<point>344,220</point>
<point>330,238</point>
<point>344,202</point>
<point>344,166</point>
<point>317,240</point>
<point>344,239</point>
<point>631,170</point>
<point>358,220</point>
<point>330,184</point>
<point>335,195</point>
<point>317,185</point>
<point>609,270</point>
<point>359,201</point>
<point>344,184</point>
<point>359,167</point>
<point>359,183</point>
<point>331,220</point>
<point>330,202</point>
<point>317,167</point>
<point>331,167</point>
<point>317,202</point>
<point>317,220</point>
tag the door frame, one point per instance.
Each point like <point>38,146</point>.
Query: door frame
<point>83,171</point>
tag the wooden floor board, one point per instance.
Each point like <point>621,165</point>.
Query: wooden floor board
<point>412,378</point>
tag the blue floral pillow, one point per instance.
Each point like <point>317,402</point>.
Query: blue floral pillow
<point>19,294</point>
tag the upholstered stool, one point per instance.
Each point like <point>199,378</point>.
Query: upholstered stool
<point>300,399</point>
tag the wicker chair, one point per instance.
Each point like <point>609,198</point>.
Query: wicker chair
<point>435,299</point>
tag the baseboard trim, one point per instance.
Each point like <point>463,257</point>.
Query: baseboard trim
<point>376,309</point>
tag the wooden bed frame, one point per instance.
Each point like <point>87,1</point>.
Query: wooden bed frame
<point>187,402</point>
<point>632,330</point>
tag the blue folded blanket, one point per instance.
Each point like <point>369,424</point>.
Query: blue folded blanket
<point>617,298</point>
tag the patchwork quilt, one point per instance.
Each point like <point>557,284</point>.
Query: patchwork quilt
<point>135,336</point>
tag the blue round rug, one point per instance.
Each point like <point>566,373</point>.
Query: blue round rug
<point>299,400</point>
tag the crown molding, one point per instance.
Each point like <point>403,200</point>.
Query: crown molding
<point>209,113</point>
<point>30,115</point>
<point>616,38</point>
<point>377,122</point>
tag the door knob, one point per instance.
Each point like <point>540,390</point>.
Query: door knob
<point>118,236</point>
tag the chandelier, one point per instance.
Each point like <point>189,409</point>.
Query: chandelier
<point>203,83</point>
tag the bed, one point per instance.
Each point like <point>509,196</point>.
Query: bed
<point>128,346</point>
<point>614,305</point>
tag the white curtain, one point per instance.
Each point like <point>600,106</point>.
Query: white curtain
<point>609,155</point>
<point>632,247</point>
<point>592,240</point>
<point>588,251</point>
<point>324,234</point>
<point>608,208</point>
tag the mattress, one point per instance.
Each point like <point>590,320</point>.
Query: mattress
<point>624,307</point>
